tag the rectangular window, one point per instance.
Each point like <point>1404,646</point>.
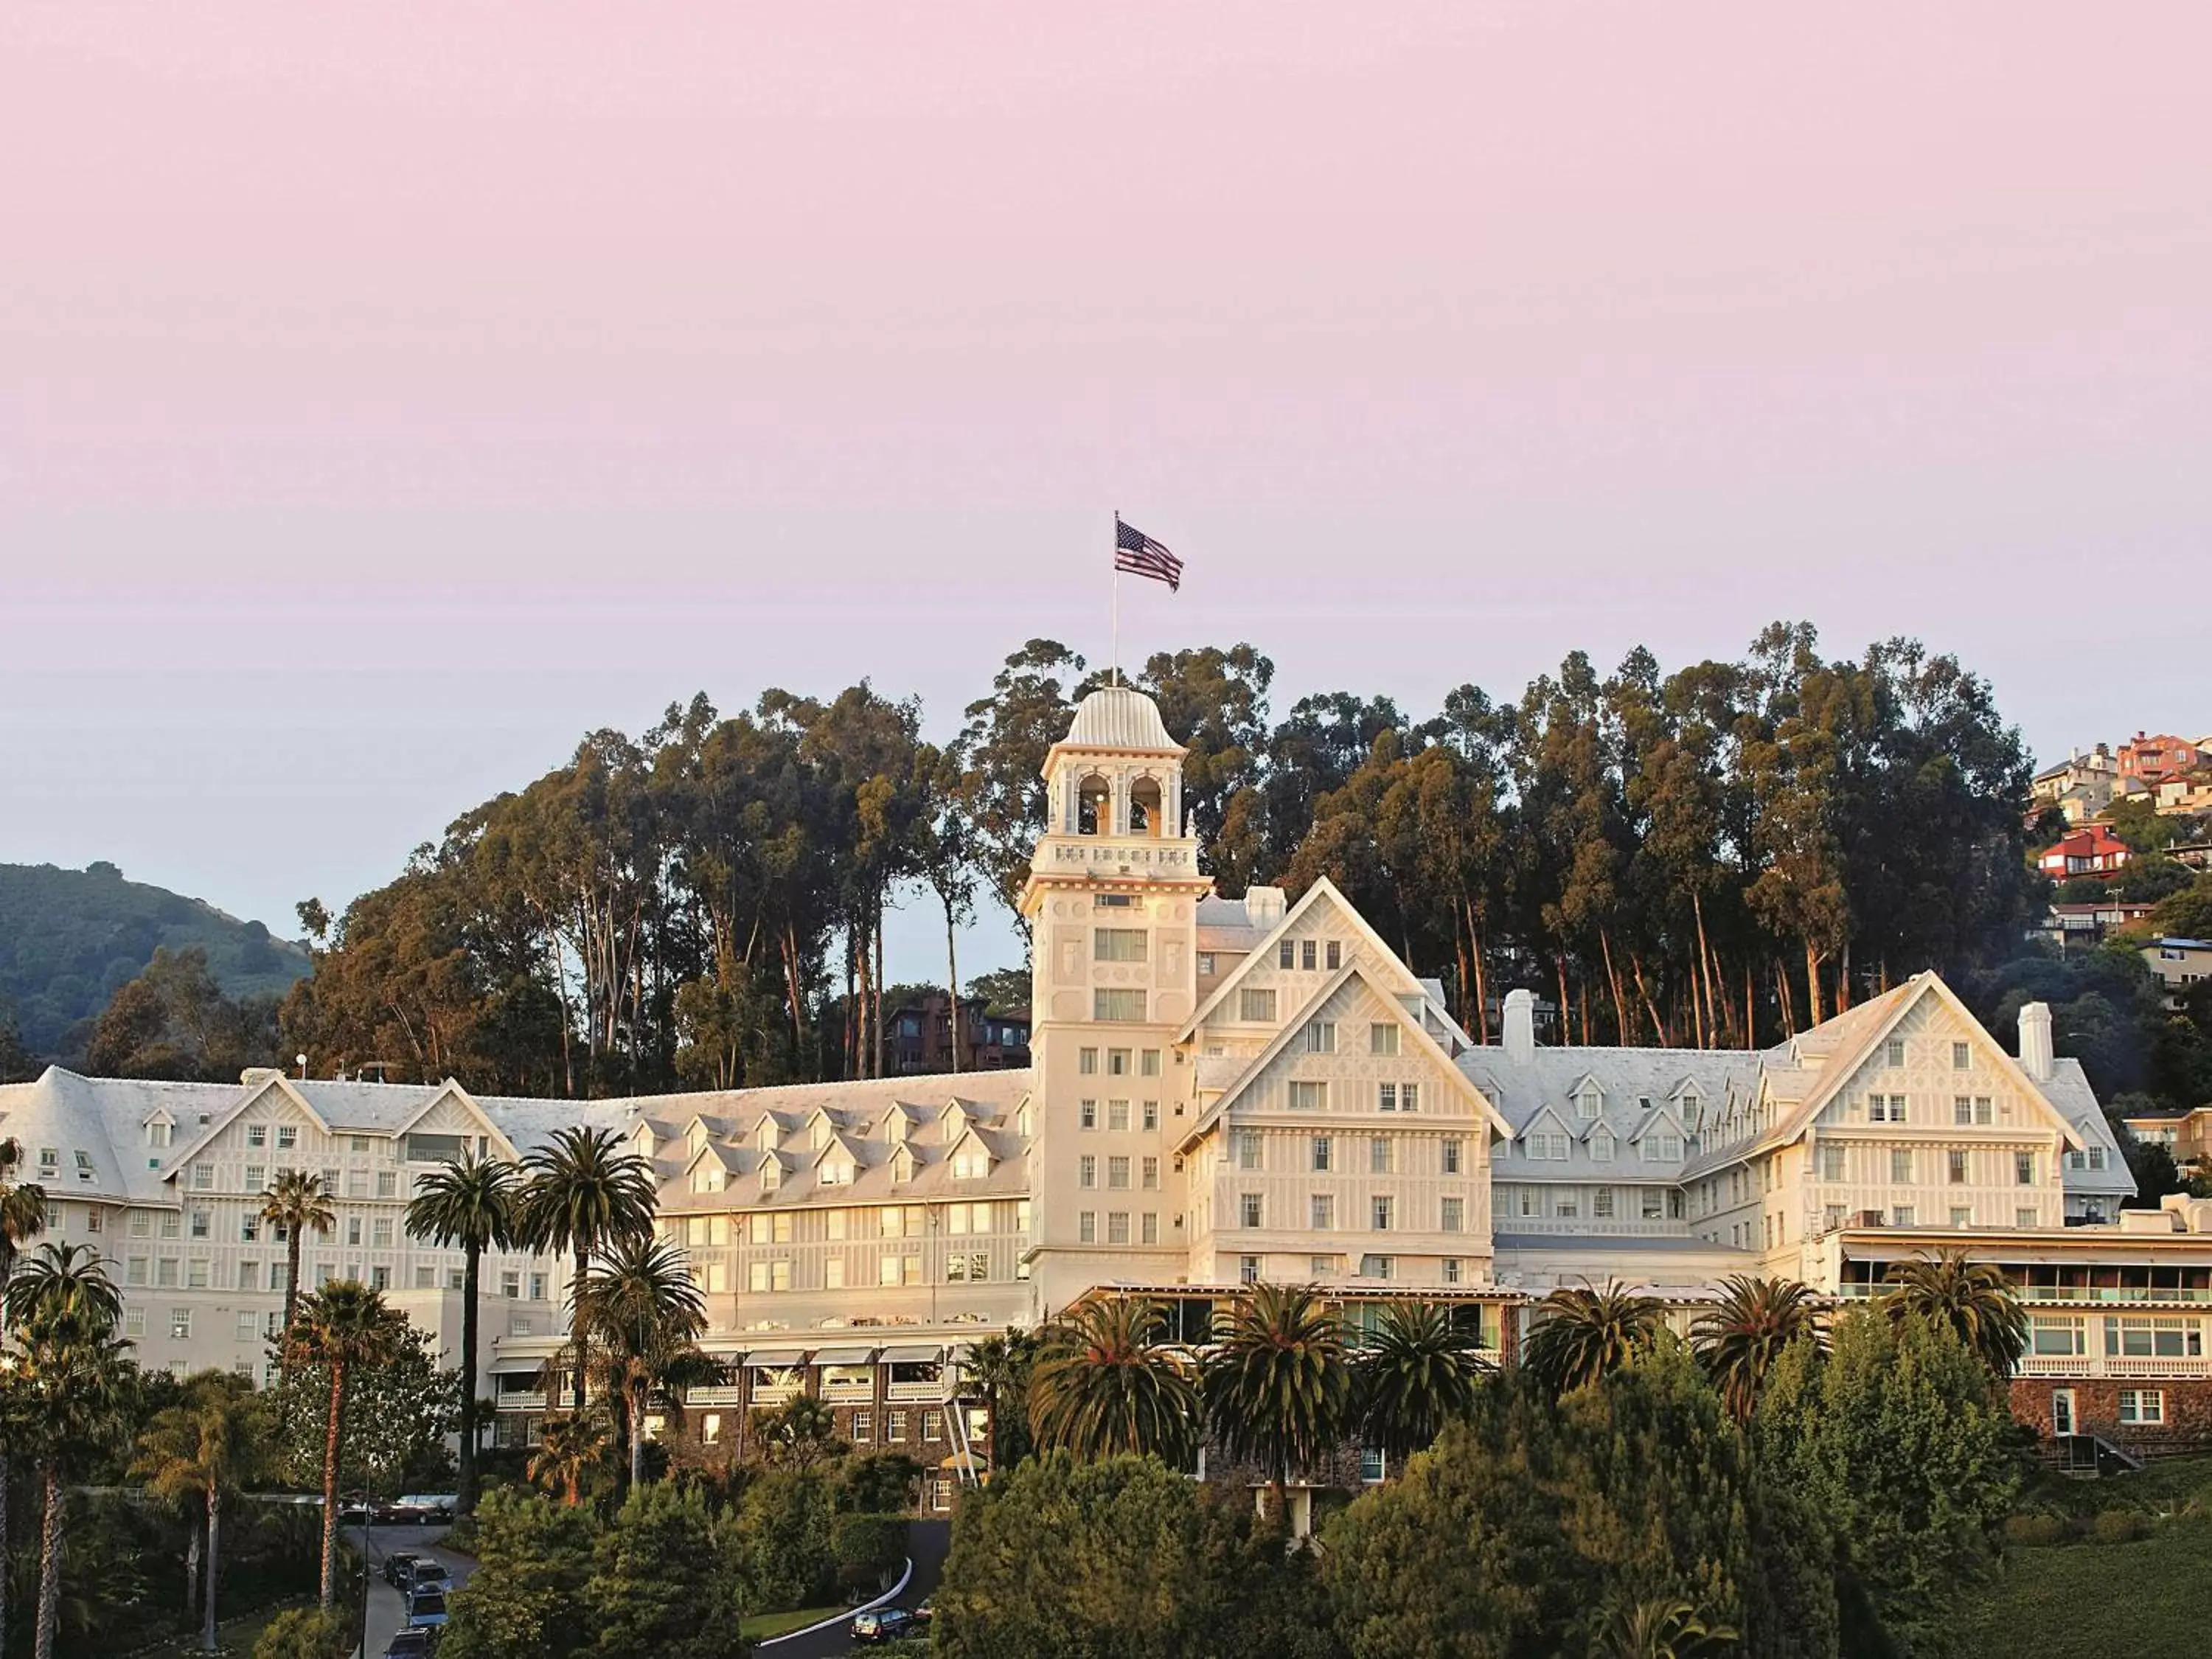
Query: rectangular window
<point>2023,1169</point>
<point>1961,1219</point>
<point>165,1271</point>
<point>1901,1165</point>
<point>2142,1405</point>
<point>1117,1062</point>
<point>257,1134</point>
<point>1086,1227</point>
<point>380,1233</point>
<point>1380,1214</point>
<point>1118,1007</point>
<point>1248,1210</point>
<point>1378,1155</point>
<point>287,1135</point>
<point>1150,1063</point>
<point>1602,1203</point>
<point>1117,1226</point>
<point>1321,1036</point>
<point>1377,1267</point>
<point>1893,1051</point>
<point>1320,1212</point>
<point>1117,1116</point>
<point>1962,1056</point>
<point>1150,1176</point>
<point>1321,1152</point>
<point>1118,944</point>
<point>1206,964</point>
<point>1650,1205</point>
<point>1287,954</point>
<point>1981,1108</point>
<point>353,1229</point>
<point>1831,1163</point>
<point>1452,1215</point>
<point>1956,1165</point>
<point>1386,1097</point>
<point>1409,1097</point>
<point>1451,1151</point>
<point>1335,957</point>
<point>1086,1114</point>
<point>1306,957</point>
<point>1568,1204</point>
<point>1086,1062</point>
<point>1382,1041</point>
<point>1962,1108</point>
<point>864,1427</point>
<point>1248,1148</point>
<point>1150,1233</point>
<point>1256,1006</point>
<point>1901,1216</point>
<point>2024,1219</point>
<point>1307,1096</point>
<point>1151,1114</point>
<point>1086,1171</point>
<point>1117,1174</point>
<point>1248,1269</point>
<point>256,1178</point>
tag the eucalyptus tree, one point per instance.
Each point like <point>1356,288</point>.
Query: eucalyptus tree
<point>472,1204</point>
<point>584,1193</point>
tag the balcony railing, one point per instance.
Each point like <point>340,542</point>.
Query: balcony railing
<point>531,1402</point>
<point>720,1394</point>
<point>774,1394</point>
<point>2123,1366</point>
<point>836,1390</point>
<point>940,1389</point>
<point>2125,1296</point>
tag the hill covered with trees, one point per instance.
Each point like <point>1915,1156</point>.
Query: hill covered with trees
<point>70,938</point>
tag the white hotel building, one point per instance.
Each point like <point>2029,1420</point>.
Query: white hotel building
<point>1223,1091</point>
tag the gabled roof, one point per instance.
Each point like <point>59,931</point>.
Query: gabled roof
<point>727,1157</point>
<point>276,1082</point>
<point>1424,1044</point>
<point>1322,892</point>
<point>451,1091</point>
<point>1890,1008</point>
<point>1558,1121</point>
<point>840,1142</point>
<point>1662,1112</point>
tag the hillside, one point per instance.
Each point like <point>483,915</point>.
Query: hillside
<point>68,937</point>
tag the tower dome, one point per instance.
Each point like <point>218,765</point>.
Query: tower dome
<point>1119,717</point>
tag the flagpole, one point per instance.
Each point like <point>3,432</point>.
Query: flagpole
<point>1117,597</point>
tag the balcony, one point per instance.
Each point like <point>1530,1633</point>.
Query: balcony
<point>840,1391</point>
<point>928,1393</point>
<point>2082,1366</point>
<point>717,1394</point>
<point>774,1394</point>
<point>534,1401</point>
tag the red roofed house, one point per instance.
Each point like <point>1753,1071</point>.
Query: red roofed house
<point>2156,759</point>
<point>2092,850</point>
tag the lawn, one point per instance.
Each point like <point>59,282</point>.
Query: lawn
<point>762,1625</point>
<point>2100,1600</point>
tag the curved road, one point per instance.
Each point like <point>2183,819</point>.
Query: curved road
<point>386,1610</point>
<point>926,1542</point>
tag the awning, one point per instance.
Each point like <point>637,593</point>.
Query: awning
<point>776,1358</point>
<point>844,1356</point>
<point>914,1353</point>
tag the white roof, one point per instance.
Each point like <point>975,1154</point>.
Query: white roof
<point>1120,717</point>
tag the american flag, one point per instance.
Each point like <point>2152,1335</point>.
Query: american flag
<point>1140,555</point>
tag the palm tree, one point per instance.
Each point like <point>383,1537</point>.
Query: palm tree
<point>998,1369</point>
<point>1741,1336</point>
<point>75,1378</point>
<point>585,1193</point>
<point>1278,1385</point>
<point>22,1208</point>
<point>1105,1383</point>
<point>1418,1372</point>
<point>1660,1628</point>
<point>1582,1334</point>
<point>343,1327</point>
<point>568,1448</point>
<point>643,1306</point>
<point>294,1202</point>
<point>205,1447</point>
<point>470,1204</point>
<point>1970,1297</point>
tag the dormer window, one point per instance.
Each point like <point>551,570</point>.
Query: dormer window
<point>771,1174</point>
<point>159,1132</point>
<point>1588,1100</point>
<point>835,1172</point>
<point>50,1160</point>
<point>707,1179</point>
<point>972,1162</point>
<point>820,1138</point>
<point>902,1165</point>
<point>1600,1146</point>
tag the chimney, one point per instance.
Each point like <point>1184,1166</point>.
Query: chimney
<point>1264,906</point>
<point>2035,1050</point>
<point>1521,1027</point>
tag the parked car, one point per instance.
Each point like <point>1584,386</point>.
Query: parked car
<point>426,1609</point>
<point>426,1572</point>
<point>430,1508</point>
<point>884,1624</point>
<point>399,1568</point>
<point>928,1610</point>
<point>408,1644</point>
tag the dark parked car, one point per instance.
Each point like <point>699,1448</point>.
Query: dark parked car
<point>426,1609</point>
<point>399,1568</point>
<point>884,1624</point>
<point>409,1645</point>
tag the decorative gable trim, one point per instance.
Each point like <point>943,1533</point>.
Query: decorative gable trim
<point>277,1083</point>
<point>1322,892</point>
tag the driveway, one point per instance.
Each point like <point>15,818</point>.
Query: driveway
<point>386,1610</point>
<point>926,1541</point>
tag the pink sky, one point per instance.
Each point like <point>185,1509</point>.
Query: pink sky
<point>389,392</point>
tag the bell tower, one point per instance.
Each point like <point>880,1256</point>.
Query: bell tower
<point>1112,903</point>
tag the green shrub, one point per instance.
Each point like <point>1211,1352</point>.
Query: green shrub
<point>2035,1529</point>
<point>2117,1527</point>
<point>307,1633</point>
<point>868,1547</point>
